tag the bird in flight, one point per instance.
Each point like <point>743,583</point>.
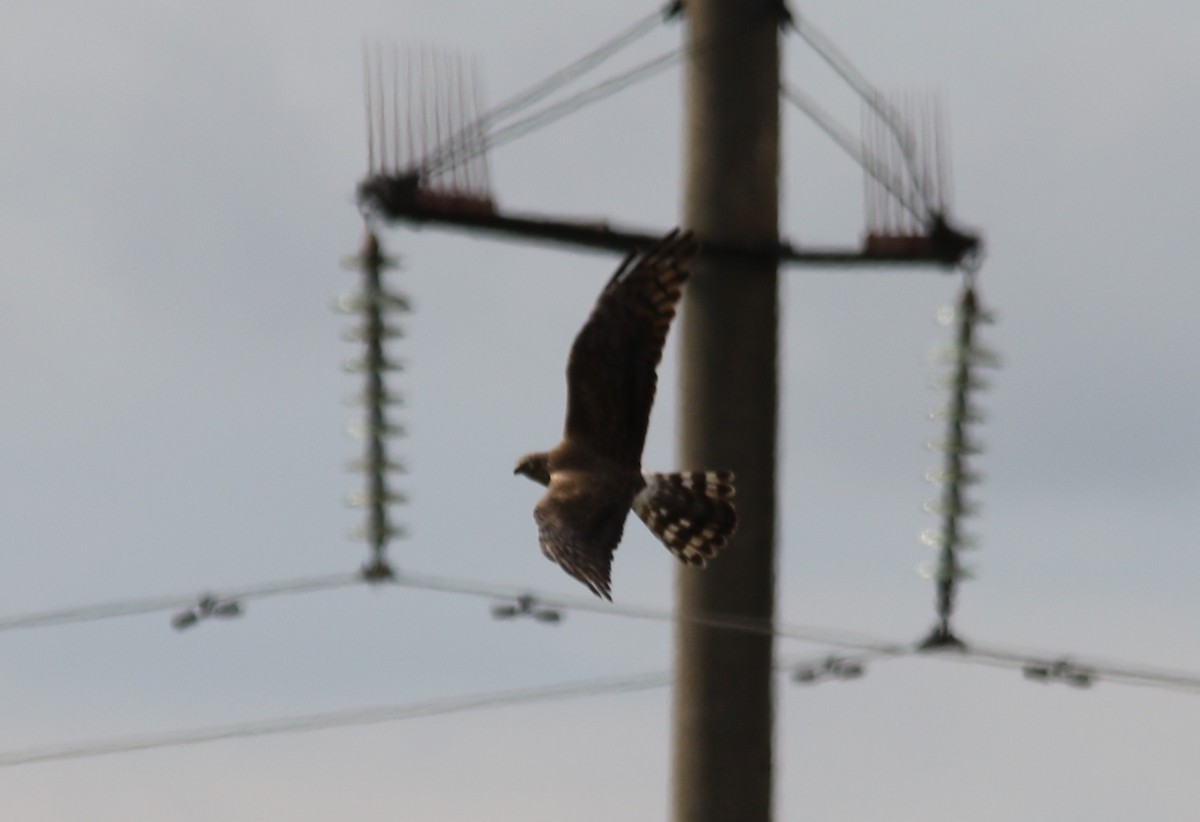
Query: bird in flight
<point>594,476</point>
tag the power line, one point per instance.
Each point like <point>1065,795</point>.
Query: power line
<point>1033,662</point>
<point>472,132</point>
<point>443,584</point>
<point>150,605</point>
<point>480,142</point>
<point>1076,670</point>
<point>475,141</point>
<point>840,63</point>
<point>363,716</point>
<point>986,654</point>
<point>824,636</point>
<point>335,719</point>
<point>870,163</point>
<point>581,99</point>
<point>471,137</point>
<point>804,670</point>
<point>577,68</point>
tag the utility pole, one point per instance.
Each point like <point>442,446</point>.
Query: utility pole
<point>723,711</point>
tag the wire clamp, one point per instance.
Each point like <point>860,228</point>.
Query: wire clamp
<point>209,605</point>
<point>526,605</point>
<point>832,667</point>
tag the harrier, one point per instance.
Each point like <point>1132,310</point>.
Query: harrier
<point>594,476</point>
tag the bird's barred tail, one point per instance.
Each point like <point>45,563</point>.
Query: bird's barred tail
<point>691,512</point>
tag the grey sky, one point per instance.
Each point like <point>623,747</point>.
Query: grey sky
<point>176,196</point>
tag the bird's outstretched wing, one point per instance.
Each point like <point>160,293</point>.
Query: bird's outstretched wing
<point>611,374</point>
<point>579,526</point>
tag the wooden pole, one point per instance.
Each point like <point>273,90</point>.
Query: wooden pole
<point>723,711</point>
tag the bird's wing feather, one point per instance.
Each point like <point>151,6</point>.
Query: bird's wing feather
<point>611,373</point>
<point>579,526</point>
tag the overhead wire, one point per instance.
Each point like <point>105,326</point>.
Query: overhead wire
<point>427,582</point>
<point>475,139</point>
<point>1107,670</point>
<point>550,84</point>
<point>870,163</point>
<point>150,605</point>
<point>804,670</point>
<point>861,643</point>
<point>980,653</point>
<point>470,133</point>
<point>556,111</point>
<point>844,68</point>
<point>352,717</point>
<point>824,636</point>
<point>480,141</point>
<point>335,719</point>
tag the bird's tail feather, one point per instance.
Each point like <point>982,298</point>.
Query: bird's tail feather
<point>691,512</point>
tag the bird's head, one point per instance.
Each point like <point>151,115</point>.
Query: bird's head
<point>536,467</point>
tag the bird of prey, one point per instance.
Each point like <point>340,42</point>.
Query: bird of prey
<point>594,476</point>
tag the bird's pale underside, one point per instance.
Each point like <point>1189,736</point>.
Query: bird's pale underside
<point>594,476</point>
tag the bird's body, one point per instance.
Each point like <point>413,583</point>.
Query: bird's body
<point>594,475</point>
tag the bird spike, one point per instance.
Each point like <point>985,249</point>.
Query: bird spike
<point>427,135</point>
<point>908,183</point>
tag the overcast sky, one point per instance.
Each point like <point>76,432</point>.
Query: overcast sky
<point>176,193</point>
